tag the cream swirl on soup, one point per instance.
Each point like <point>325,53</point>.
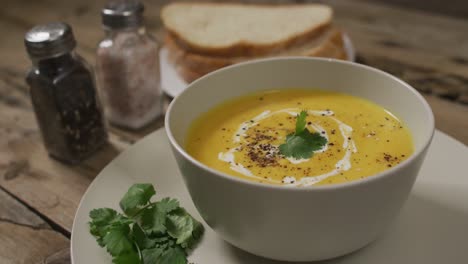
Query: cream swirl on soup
<point>240,136</point>
<point>243,138</point>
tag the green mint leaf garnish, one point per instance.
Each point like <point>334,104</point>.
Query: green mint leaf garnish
<point>302,143</point>
<point>149,232</point>
<point>136,197</point>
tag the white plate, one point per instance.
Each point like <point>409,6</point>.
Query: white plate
<point>431,229</point>
<point>172,84</point>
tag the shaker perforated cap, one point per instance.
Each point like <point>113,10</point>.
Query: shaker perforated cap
<point>122,14</point>
<point>49,40</point>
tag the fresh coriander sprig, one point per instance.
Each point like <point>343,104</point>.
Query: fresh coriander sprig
<point>301,122</point>
<point>302,143</point>
<point>148,232</point>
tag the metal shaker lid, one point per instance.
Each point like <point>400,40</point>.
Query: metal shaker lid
<point>49,40</point>
<point>119,14</point>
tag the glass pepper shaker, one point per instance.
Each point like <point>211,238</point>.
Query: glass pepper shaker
<point>128,67</point>
<point>63,94</point>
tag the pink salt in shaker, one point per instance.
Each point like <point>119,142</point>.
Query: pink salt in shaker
<point>128,67</point>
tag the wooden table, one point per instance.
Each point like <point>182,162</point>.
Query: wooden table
<point>39,196</point>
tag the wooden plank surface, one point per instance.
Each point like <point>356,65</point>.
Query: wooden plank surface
<point>449,8</point>
<point>26,238</point>
<point>39,196</point>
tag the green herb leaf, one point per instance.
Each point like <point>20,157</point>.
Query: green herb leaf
<point>184,228</point>
<point>314,140</point>
<point>167,205</point>
<point>102,216</point>
<point>141,239</point>
<point>152,255</point>
<point>153,220</point>
<point>117,240</point>
<point>136,197</point>
<point>100,221</point>
<point>128,258</point>
<point>150,233</point>
<point>302,143</point>
<point>301,122</point>
<point>104,219</point>
<point>175,255</point>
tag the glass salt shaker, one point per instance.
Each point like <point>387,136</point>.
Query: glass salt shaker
<point>128,67</point>
<point>63,94</point>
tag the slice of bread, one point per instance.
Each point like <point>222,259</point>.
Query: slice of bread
<point>192,65</point>
<point>243,30</point>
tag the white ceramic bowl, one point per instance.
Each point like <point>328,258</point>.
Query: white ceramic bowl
<point>308,223</point>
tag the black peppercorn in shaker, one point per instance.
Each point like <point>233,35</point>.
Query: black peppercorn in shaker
<point>63,94</point>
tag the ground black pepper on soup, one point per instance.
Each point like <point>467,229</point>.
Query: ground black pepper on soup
<point>299,138</point>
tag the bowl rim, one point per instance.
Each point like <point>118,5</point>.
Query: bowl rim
<point>327,187</point>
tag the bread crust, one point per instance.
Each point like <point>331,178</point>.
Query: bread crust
<point>244,48</point>
<point>190,75</point>
<point>192,61</point>
<point>331,46</point>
